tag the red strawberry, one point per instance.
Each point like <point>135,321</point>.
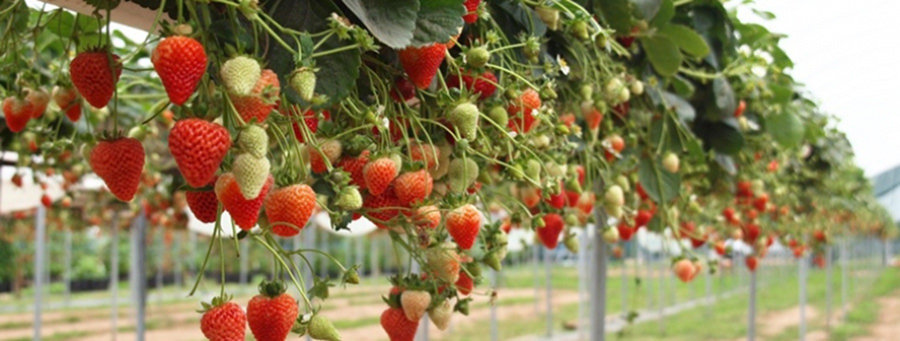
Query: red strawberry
<point>413,187</point>
<point>397,326</point>
<point>92,76</point>
<point>310,119</point>
<point>355,165</point>
<point>422,63</point>
<point>17,180</point>
<point>180,62</point>
<point>17,113</point>
<point>465,284</point>
<point>289,208</point>
<point>463,224</point>
<point>272,313</point>
<point>203,203</point>
<point>224,321</point>
<point>751,262</point>
<point>484,85</point>
<point>684,269</point>
<point>46,201</point>
<point>471,8</point>
<point>382,208</point>
<point>68,101</point>
<point>244,212</point>
<point>625,231</point>
<point>558,200</point>
<point>198,147</point>
<point>37,101</point>
<point>442,262</point>
<point>404,90</point>
<point>425,153</point>
<point>119,163</point>
<point>330,149</point>
<point>642,218</point>
<point>522,111</point>
<point>259,103</point>
<point>549,234</point>
<point>379,174</point>
<point>428,216</point>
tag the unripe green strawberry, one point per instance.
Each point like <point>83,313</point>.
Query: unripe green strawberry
<point>478,57</point>
<point>492,259</point>
<point>571,244</point>
<point>239,74</point>
<point>533,169</point>
<point>303,81</point>
<point>580,30</point>
<point>441,314</point>
<point>320,328</point>
<point>254,140</point>
<point>499,115</point>
<point>349,198</point>
<point>637,88</point>
<point>670,162</point>
<point>614,196</point>
<point>462,173</point>
<point>465,118</point>
<point>622,181</point>
<point>550,17</point>
<point>251,173</point>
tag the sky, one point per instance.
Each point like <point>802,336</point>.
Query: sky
<point>846,54</point>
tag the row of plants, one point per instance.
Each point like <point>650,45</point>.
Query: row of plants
<point>445,122</point>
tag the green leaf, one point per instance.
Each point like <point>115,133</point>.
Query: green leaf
<point>391,21</point>
<point>681,106</point>
<point>688,41</point>
<point>616,13</point>
<point>438,21</point>
<point>787,129</point>
<point>683,86</point>
<point>664,15</point>
<point>648,8</point>
<point>659,184</point>
<point>663,54</point>
<point>724,95</point>
<point>724,138</point>
<point>514,18</point>
<point>655,224</point>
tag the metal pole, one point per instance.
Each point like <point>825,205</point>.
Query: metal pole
<point>422,330</point>
<point>582,284</point>
<point>39,239</point>
<point>114,273</point>
<point>138,259</point>
<point>161,253</point>
<point>624,281</point>
<point>495,330</point>
<point>802,329</point>
<point>176,245</point>
<point>245,259</point>
<point>660,300</point>
<point>709,295</point>
<point>373,252</point>
<point>537,282</point>
<point>549,291</point>
<point>751,313</point>
<point>67,261</point>
<point>599,274</point>
<point>844,278</point>
<point>828,286</point>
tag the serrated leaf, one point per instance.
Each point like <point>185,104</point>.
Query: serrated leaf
<point>660,185</point>
<point>391,21</point>
<point>616,13</point>
<point>663,54</point>
<point>438,21</point>
<point>687,40</point>
<point>787,129</point>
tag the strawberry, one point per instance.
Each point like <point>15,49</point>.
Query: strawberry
<point>414,303</point>
<point>464,284</point>
<point>223,321</point>
<point>752,262</point>
<point>320,328</point>
<point>522,111</point>
<point>382,208</point>
<point>37,101</point>
<point>471,8</point>
<point>426,153</point>
<point>90,73</point>
<point>462,173</point>
<point>68,101</point>
<point>180,62</point>
<point>262,99</point>
<point>642,218</point>
<point>557,201</point>
<point>684,269</point>
<point>413,187</point>
<point>349,198</point>
<point>16,180</point>
<point>443,263</point>
<point>625,231</point>
<point>549,233</point>
<point>355,165</point>
<point>422,63</point>
<point>441,314</point>
<point>203,203</point>
<point>309,118</point>
<point>254,140</point>
<point>329,149</point>
<point>303,81</point>
<point>428,216</point>
<point>251,174</point>
<point>244,212</point>
<point>272,313</point>
<point>739,110</point>
<point>119,163</point>
<point>17,113</point>
<point>397,326</point>
<point>240,74</point>
<point>289,208</point>
<point>531,196</point>
<point>403,91</point>
<point>484,85</point>
<point>463,224</point>
<point>46,201</point>
<point>379,174</point>
<point>592,116</point>
<point>198,147</point>
<point>465,118</point>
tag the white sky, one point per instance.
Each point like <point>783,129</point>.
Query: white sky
<point>846,54</point>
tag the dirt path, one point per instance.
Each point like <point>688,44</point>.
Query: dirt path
<point>888,325</point>
<point>776,322</point>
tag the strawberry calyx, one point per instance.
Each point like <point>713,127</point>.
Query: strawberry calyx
<point>272,289</point>
<point>217,301</point>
